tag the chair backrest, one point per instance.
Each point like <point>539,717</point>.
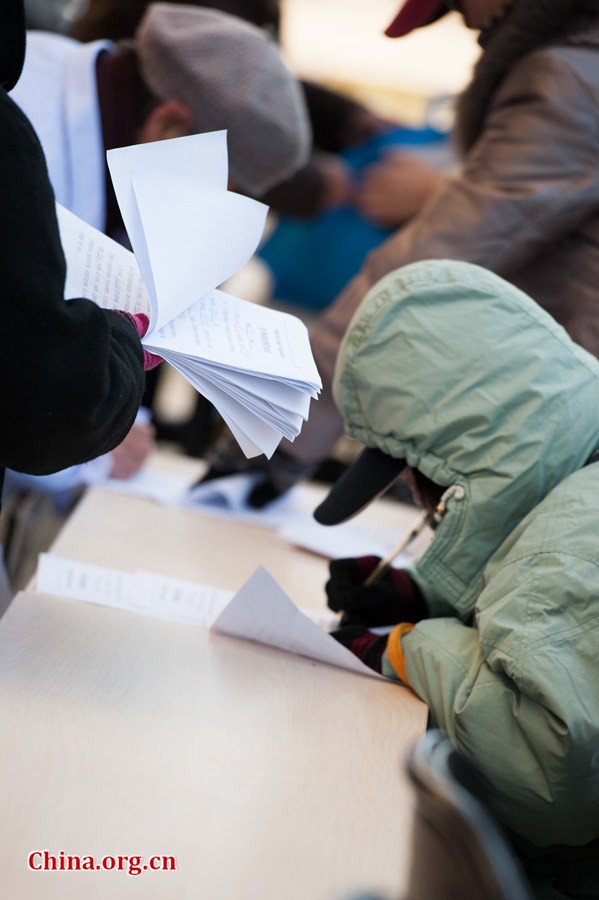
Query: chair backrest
<point>459,849</point>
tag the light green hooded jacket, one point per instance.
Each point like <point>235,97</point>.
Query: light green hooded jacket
<point>454,369</point>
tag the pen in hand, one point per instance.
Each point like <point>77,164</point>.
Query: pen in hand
<point>384,563</point>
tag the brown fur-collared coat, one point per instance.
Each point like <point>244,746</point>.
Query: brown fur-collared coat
<point>526,202</point>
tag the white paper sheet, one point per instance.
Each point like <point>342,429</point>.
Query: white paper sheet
<point>189,235</point>
<point>261,611</point>
<point>202,158</point>
<point>141,592</point>
<point>353,538</point>
<point>99,268</point>
<point>190,243</point>
<point>236,334</point>
<point>176,599</point>
<point>253,434</point>
<point>82,581</point>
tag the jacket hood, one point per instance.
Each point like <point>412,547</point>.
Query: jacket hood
<point>12,42</point>
<point>450,367</point>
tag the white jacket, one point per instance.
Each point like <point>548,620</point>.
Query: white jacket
<point>58,93</point>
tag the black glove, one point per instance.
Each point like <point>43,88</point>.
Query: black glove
<point>363,643</point>
<point>395,598</point>
<point>275,476</point>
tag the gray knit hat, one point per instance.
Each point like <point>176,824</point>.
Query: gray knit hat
<point>231,75</point>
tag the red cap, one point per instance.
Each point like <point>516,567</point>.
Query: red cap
<point>414,14</point>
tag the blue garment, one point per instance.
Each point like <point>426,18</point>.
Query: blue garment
<point>311,260</point>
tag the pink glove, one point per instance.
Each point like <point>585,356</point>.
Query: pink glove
<point>141,323</point>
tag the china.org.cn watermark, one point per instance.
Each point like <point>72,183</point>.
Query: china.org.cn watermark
<point>45,861</point>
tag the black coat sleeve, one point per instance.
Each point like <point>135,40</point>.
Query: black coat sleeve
<point>72,373</point>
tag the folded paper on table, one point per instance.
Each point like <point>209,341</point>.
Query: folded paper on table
<point>260,611</point>
<point>189,235</point>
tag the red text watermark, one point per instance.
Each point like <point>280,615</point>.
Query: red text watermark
<point>44,861</point>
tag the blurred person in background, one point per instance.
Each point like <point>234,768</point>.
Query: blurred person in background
<point>338,121</point>
<point>188,70</point>
<point>525,203</point>
<point>324,222</point>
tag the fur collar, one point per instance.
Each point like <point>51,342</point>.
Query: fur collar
<point>526,26</point>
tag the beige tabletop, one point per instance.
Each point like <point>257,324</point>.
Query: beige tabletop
<point>262,774</point>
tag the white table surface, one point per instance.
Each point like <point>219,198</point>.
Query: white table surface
<point>266,775</point>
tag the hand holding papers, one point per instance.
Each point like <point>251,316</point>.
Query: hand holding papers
<point>189,234</point>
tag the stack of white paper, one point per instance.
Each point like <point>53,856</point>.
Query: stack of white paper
<point>189,235</point>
